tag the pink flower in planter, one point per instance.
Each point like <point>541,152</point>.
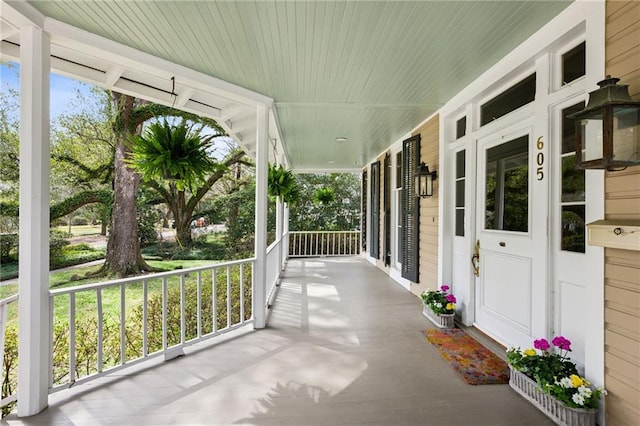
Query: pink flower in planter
<point>541,344</point>
<point>450,298</point>
<point>444,288</point>
<point>562,343</point>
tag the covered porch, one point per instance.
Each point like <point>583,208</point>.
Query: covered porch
<point>343,345</point>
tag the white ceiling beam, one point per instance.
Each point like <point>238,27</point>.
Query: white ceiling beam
<point>20,14</point>
<point>112,75</point>
<point>184,94</point>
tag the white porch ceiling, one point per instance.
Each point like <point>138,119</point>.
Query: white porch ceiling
<point>369,71</point>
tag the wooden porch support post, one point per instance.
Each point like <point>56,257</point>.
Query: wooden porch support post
<point>260,269</point>
<point>34,346</point>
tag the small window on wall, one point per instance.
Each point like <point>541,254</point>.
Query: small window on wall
<point>511,99</point>
<point>572,198</point>
<point>574,63</point>
<point>461,127</point>
<point>460,179</point>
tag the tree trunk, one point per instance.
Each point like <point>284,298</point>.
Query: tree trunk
<point>182,216</point>
<point>123,257</point>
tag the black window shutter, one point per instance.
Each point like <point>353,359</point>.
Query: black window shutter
<point>387,209</point>
<point>374,248</point>
<point>410,232</point>
<point>363,194</point>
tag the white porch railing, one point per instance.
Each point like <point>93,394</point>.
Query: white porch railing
<point>157,314</point>
<point>324,243</point>
<point>5,305</point>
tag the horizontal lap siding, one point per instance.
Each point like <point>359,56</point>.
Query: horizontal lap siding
<point>429,153</point>
<point>622,267</point>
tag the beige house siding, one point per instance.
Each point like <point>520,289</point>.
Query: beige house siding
<point>622,267</point>
<point>430,136</point>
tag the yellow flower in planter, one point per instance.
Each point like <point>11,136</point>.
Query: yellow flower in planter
<point>451,306</point>
<point>529,352</point>
<point>576,381</point>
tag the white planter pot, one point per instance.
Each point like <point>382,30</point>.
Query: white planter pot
<point>554,409</point>
<point>440,320</point>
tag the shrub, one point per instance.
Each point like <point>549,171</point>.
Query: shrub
<point>8,245</point>
<point>79,221</point>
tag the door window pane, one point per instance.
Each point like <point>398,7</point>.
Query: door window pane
<point>572,180</point>
<point>511,99</point>
<point>461,127</point>
<point>573,64</point>
<point>573,228</point>
<point>460,182</point>
<point>507,186</point>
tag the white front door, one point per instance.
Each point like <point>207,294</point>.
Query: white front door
<point>510,293</point>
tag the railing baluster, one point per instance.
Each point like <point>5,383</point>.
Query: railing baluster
<point>228,296</point>
<point>242,293</point>
<point>145,318</point>
<point>100,329</point>
<point>199,307</point>
<point>164,313</point>
<point>123,319</point>
<point>183,320</point>
<point>214,296</point>
<point>72,337</point>
<point>51,319</point>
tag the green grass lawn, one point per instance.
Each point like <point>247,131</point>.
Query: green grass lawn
<point>80,230</point>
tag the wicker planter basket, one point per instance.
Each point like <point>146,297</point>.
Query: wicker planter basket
<point>554,409</point>
<point>440,320</point>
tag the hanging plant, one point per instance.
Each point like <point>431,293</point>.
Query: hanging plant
<point>282,183</point>
<point>324,196</point>
<point>173,153</point>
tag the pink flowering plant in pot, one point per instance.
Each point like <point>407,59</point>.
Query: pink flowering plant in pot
<point>549,365</point>
<point>440,301</point>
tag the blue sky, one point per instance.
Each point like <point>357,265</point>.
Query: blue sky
<point>63,90</point>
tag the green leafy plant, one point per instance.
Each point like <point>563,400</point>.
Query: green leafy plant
<point>172,152</point>
<point>439,301</point>
<point>554,372</point>
<point>324,196</point>
<point>282,183</point>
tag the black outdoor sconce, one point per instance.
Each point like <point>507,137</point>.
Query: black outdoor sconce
<point>608,128</point>
<point>424,181</point>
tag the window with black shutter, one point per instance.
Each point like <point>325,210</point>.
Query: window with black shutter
<point>387,209</point>
<point>363,218</point>
<point>410,209</point>
<point>374,247</point>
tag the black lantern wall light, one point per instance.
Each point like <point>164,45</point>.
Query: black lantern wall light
<point>424,181</point>
<point>608,128</point>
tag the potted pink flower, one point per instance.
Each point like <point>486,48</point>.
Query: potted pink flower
<point>439,306</point>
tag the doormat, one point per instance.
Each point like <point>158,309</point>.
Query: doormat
<point>476,364</point>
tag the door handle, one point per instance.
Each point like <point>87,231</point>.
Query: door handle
<point>475,260</point>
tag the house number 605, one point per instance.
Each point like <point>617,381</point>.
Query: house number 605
<point>540,159</point>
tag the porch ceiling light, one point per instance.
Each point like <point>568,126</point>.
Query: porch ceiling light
<point>608,128</point>
<point>424,181</point>
<point>341,139</point>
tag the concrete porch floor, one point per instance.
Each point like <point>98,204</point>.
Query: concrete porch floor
<point>343,347</point>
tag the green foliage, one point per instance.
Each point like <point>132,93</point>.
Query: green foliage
<point>543,368</point>
<point>66,206</point>
<point>148,216</point>
<point>172,152</point>
<point>282,183</point>
<point>10,366</point>
<point>57,241</point>
<point>324,196</point>
<point>8,246</point>
<point>341,215</point>
<point>207,248</point>
<point>439,301</point>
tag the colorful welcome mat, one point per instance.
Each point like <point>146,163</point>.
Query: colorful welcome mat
<point>476,364</point>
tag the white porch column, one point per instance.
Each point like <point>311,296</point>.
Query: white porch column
<point>279,228</point>
<point>260,269</point>
<point>285,231</point>
<point>34,322</point>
